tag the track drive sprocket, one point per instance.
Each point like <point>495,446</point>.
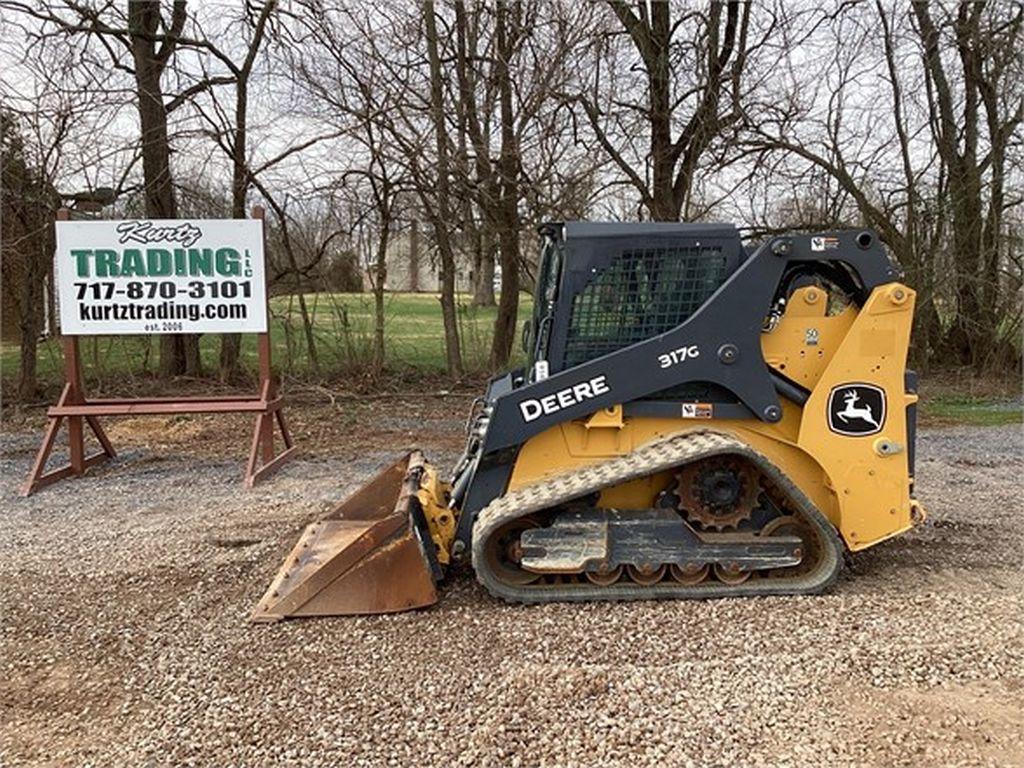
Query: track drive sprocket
<point>718,492</point>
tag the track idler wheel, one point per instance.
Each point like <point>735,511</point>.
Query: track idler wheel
<point>689,574</point>
<point>730,574</point>
<point>647,574</point>
<point>504,552</point>
<point>604,577</point>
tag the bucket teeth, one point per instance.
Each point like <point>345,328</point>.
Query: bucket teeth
<point>367,556</point>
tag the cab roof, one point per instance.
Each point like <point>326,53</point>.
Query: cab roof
<point>608,229</point>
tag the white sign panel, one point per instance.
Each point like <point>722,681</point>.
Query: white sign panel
<point>161,276</point>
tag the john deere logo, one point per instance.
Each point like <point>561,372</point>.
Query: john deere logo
<point>856,409</point>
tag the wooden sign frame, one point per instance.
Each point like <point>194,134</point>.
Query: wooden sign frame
<point>80,411</point>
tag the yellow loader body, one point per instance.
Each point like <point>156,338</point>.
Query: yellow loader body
<point>862,486</point>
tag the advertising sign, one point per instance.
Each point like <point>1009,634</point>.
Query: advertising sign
<point>161,276</point>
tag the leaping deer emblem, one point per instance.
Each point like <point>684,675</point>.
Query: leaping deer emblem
<point>853,411</point>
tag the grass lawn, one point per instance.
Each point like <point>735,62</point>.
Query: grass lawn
<point>977,411</point>
<point>342,328</point>
<point>343,331</point>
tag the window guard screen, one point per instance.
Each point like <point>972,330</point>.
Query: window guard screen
<point>642,293</point>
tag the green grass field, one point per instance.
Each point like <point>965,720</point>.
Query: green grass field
<point>342,328</point>
<point>977,411</point>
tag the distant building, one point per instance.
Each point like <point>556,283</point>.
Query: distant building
<point>413,265</point>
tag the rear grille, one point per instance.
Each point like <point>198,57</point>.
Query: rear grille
<point>640,294</point>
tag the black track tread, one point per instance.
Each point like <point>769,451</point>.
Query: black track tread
<point>653,457</point>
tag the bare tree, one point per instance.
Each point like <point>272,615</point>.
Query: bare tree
<point>439,208</point>
<point>702,73</point>
<point>352,92</point>
<point>149,39</point>
<point>479,186</point>
<point>179,353</point>
<point>56,107</point>
<point>987,42</point>
<point>232,133</point>
<point>508,31</point>
<point>510,62</point>
<point>909,157</point>
<point>28,202</point>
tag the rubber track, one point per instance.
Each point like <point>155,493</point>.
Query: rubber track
<point>651,458</point>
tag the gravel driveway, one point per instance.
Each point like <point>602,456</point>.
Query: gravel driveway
<point>125,639</point>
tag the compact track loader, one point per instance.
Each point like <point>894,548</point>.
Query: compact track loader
<point>695,420</point>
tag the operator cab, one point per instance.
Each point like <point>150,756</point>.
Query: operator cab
<point>604,286</point>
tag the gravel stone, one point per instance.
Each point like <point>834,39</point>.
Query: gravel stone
<point>124,638</point>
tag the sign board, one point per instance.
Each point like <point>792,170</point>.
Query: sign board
<point>161,276</point>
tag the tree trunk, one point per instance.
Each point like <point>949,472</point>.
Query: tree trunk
<point>483,274</point>
<point>453,351</point>
<point>966,339</point>
<point>483,190</point>
<point>178,354</point>
<point>508,301</point>
<point>666,206</point>
<point>31,313</point>
<point>414,256</point>
<point>231,343</point>
<point>508,168</point>
<point>380,279</point>
<point>971,339</point>
<point>28,385</point>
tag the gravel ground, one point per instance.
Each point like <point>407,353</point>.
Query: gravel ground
<point>125,638</point>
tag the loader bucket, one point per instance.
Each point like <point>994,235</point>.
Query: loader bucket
<point>367,556</point>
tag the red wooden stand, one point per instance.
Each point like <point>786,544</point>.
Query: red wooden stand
<point>79,411</point>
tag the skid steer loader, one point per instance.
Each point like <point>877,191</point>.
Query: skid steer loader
<point>695,420</point>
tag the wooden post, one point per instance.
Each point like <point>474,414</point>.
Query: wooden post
<point>265,424</point>
<point>263,431</point>
<point>73,380</point>
<point>263,339</point>
<point>72,395</point>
